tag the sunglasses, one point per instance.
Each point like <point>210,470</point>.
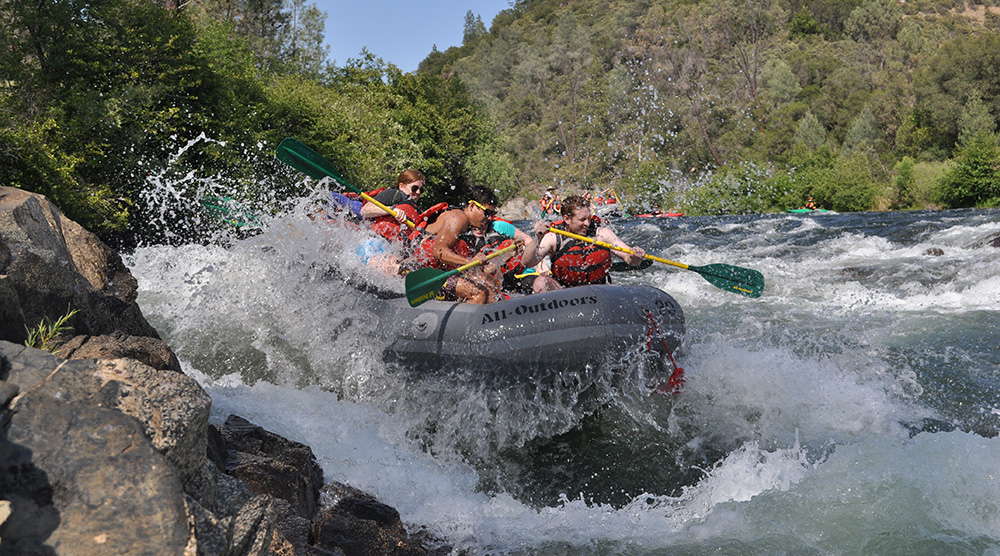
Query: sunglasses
<point>416,188</point>
<point>490,213</point>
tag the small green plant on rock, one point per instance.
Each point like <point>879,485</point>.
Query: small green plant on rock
<point>44,334</point>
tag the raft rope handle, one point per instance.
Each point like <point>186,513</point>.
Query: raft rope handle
<point>676,380</point>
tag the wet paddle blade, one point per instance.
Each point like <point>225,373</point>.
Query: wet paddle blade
<point>744,281</point>
<point>422,285</point>
<point>296,154</point>
<point>229,211</point>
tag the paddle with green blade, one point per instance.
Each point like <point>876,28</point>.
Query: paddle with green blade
<point>422,285</point>
<point>229,211</point>
<point>296,154</point>
<point>744,281</point>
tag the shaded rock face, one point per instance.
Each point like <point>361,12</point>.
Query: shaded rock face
<point>49,264</point>
<point>144,349</point>
<point>110,451</point>
<point>82,475</point>
<point>270,464</point>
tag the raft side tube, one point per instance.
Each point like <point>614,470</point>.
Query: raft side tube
<point>571,327</point>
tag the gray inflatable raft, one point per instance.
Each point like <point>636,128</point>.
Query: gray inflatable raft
<point>586,325</point>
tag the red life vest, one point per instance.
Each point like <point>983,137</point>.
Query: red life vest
<point>493,241</point>
<point>578,263</point>
<point>424,219</point>
<point>390,228</point>
<point>424,252</point>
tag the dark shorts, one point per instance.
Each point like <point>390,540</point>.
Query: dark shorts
<point>447,291</point>
<point>518,285</point>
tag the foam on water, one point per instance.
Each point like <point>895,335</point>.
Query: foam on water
<point>761,499</point>
<point>801,408</point>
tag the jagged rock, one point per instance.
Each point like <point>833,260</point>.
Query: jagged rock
<point>151,351</point>
<point>270,464</point>
<point>49,264</point>
<point>172,407</point>
<point>111,452</point>
<point>254,527</point>
<point>857,272</point>
<point>520,208</point>
<point>357,523</point>
<point>360,537</point>
<point>81,478</point>
<point>349,500</point>
<point>934,251</point>
<point>217,451</point>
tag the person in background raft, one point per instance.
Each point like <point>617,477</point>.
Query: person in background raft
<point>810,204</point>
<point>574,262</point>
<point>548,202</point>
<point>446,250</point>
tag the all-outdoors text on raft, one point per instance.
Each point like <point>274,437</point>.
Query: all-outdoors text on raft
<point>526,309</point>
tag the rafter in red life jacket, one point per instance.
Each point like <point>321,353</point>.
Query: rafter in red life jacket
<point>578,263</point>
<point>493,241</point>
<point>424,250</point>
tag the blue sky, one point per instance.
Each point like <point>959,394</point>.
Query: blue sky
<point>399,31</point>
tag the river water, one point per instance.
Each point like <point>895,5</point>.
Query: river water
<point>852,409</point>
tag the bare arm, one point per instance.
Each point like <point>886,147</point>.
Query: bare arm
<point>453,223</point>
<point>371,210</point>
<point>607,236</point>
<point>544,245</point>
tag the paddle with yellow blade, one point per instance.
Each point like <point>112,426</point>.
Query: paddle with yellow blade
<point>744,281</point>
<point>296,154</point>
<point>422,285</point>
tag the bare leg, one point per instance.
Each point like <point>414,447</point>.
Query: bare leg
<point>467,291</point>
<point>545,283</point>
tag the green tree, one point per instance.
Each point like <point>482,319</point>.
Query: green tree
<point>960,67</point>
<point>779,86</point>
<point>975,119</point>
<point>743,28</point>
<point>862,133</point>
<point>973,177</point>
<point>810,134</point>
<point>874,21</point>
<point>904,183</point>
<point>284,35</point>
<point>474,28</point>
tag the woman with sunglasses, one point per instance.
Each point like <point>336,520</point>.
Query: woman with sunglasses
<point>409,187</point>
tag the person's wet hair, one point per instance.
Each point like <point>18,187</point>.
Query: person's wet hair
<point>483,195</point>
<point>572,203</point>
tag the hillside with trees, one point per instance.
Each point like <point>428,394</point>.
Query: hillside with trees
<point>707,106</point>
<point>125,112</point>
<point>724,106</point>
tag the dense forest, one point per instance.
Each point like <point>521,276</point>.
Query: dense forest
<point>714,106</point>
<point>103,101</point>
<point>733,106</point>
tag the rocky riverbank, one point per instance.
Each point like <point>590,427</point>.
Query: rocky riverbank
<point>107,446</point>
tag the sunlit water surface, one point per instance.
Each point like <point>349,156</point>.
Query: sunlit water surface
<point>852,409</point>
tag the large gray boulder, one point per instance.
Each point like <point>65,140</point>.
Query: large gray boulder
<point>110,451</point>
<point>82,474</point>
<point>49,264</point>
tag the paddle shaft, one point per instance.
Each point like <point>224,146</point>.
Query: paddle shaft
<point>445,275</point>
<point>313,164</point>
<point>744,281</point>
<point>424,289</point>
<point>616,248</point>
